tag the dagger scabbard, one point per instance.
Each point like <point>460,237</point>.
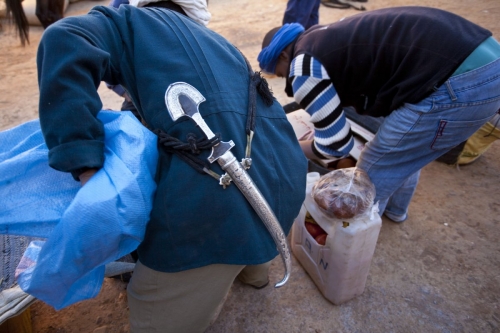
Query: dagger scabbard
<point>252,193</point>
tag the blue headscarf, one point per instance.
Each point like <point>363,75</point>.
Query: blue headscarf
<point>269,55</point>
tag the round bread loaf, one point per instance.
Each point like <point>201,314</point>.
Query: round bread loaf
<point>344,193</point>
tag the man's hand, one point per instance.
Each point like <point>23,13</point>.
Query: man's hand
<point>305,145</point>
<point>84,177</point>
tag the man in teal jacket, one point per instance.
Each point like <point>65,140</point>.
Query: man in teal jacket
<point>200,236</point>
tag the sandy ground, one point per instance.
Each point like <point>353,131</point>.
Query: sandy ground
<point>437,272</point>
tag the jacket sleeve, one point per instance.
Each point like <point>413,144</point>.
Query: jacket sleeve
<point>73,57</point>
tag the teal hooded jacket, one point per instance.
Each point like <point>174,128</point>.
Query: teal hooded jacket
<point>194,221</point>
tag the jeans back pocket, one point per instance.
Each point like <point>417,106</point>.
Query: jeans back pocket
<point>450,132</point>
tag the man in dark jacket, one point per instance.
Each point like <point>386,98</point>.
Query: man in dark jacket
<point>200,236</point>
<point>432,74</point>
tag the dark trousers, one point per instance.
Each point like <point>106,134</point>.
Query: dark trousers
<point>305,12</point>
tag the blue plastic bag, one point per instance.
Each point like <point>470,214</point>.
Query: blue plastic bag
<point>27,182</point>
<point>86,227</point>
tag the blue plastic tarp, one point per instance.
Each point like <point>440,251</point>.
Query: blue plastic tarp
<point>85,227</point>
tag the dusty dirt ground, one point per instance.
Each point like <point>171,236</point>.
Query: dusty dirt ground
<point>437,272</point>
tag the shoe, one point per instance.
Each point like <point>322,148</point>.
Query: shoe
<point>263,286</point>
<point>396,218</point>
<point>343,4</point>
<point>334,4</point>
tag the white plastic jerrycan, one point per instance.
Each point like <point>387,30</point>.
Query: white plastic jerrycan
<point>340,267</point>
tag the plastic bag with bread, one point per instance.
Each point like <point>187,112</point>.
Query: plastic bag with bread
<point>344,193</point>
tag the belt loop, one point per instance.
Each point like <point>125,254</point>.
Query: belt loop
<point>450,91</point>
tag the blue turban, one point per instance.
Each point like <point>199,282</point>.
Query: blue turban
<point>269,55</point>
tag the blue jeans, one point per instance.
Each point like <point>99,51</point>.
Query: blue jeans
<point>414,135</point>
<point>305,12</point>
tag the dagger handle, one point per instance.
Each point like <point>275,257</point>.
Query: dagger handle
<point>190,108</point>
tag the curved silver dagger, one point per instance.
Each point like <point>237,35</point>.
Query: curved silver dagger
<point>182,99</point>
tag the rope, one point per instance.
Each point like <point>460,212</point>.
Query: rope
<point>343,4</point>
<point>186,151</point>
<point>257,85</point>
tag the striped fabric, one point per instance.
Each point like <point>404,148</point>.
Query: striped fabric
<point>314,91</point>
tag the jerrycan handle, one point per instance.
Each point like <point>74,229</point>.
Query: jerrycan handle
<point>312,178</point>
